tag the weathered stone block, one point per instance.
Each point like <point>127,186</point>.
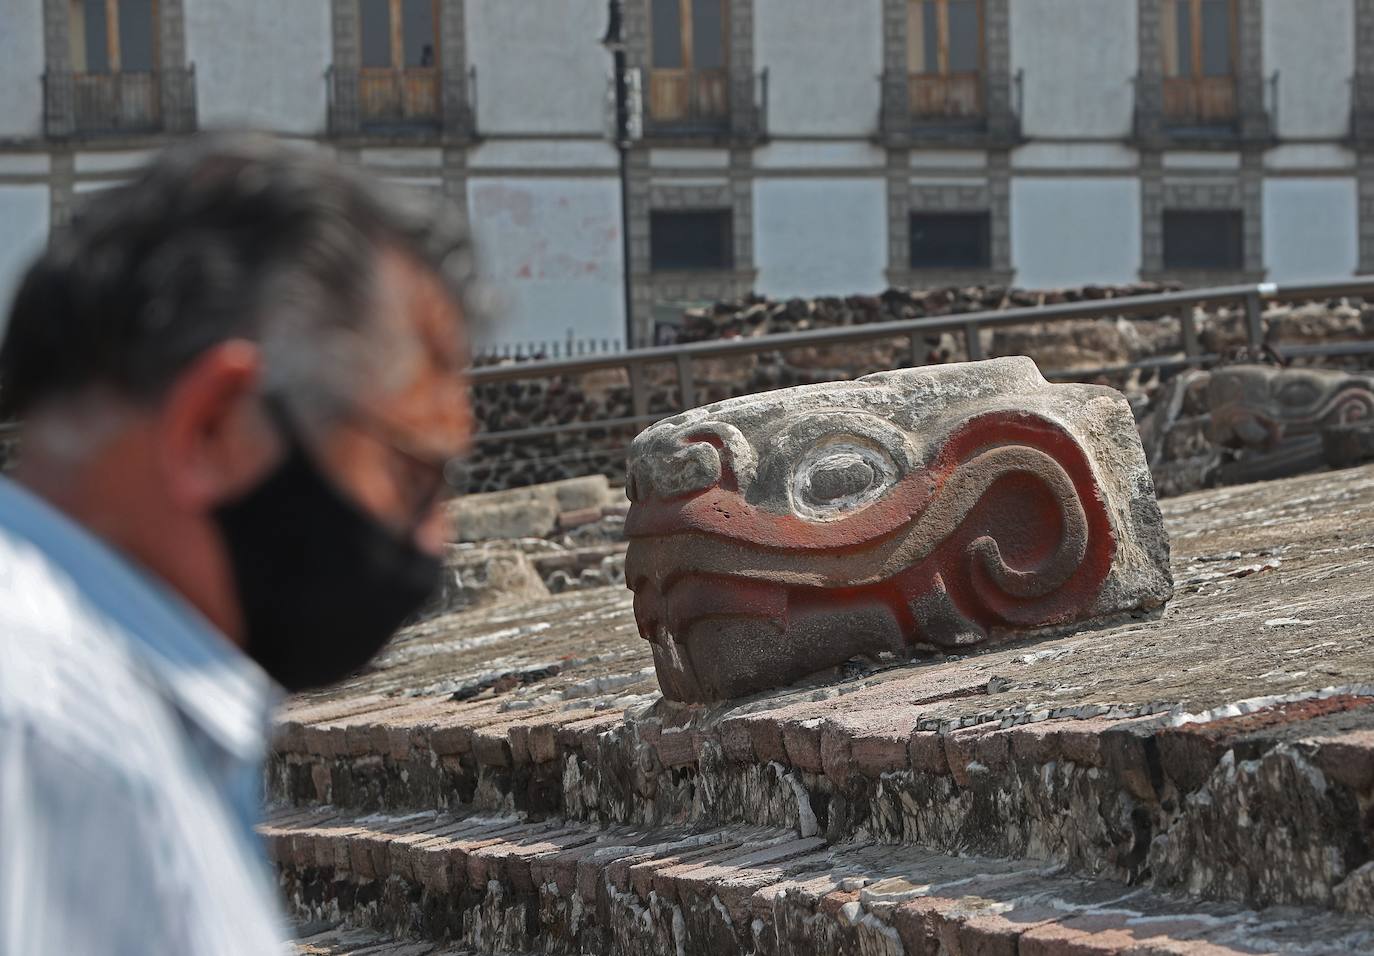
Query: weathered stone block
<point>775,536</point>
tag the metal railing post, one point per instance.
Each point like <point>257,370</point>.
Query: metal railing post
<point>918,348</point>
<point>1191,348</point>
<point>639,395</point>
<point>973,341</point>
<point>687,391</point>
<point>1254,322</point>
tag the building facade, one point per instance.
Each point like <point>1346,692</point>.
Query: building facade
<point>792,147</point>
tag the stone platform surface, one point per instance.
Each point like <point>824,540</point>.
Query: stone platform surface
<point>1215,762</point>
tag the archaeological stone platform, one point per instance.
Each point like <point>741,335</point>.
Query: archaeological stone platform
<point>510,779</point>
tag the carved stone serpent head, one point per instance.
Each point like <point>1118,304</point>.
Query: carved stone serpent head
<point>779,535</point>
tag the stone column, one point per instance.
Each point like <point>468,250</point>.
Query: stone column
<point>1151,213</point>
<point>1362,127</point>
<point>1252,208</point>
<point>895,114</point>
<point>898,211</point>
<point>744,93</point>
<point>59,106</point>
<point>1149,81</point>
<point>176,82</point>
<point>343,71</point>
<point>459,102</point>
<point>1001,118</point>
<point>1253,121</point>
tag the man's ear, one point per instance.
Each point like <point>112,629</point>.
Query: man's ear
<point>214,439</point>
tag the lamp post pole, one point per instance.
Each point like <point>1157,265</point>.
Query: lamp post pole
<point>614,41</point>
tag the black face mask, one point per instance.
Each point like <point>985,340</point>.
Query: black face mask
<point>321,583</point>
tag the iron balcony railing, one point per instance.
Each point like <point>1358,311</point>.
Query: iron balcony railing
<point>408,100</point>
<point>937,104</point>
<point>122,102</point>
<point>684,102</point>
<point>1252,298</point>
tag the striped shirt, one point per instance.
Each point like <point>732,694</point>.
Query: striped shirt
<point>131,741</point>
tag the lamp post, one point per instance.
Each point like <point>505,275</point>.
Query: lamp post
<point>614,42</point>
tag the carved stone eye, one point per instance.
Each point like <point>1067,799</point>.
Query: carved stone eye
<point>840,477</point>
<point>1298,394</point>
<point>844,476</point>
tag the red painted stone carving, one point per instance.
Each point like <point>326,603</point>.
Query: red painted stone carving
<point>778,536</point>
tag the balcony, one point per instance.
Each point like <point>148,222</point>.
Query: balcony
<point>698,103</point>
<point>973,110</point>
<point>397,102</point>
<point>938,98</point>
<point>123,103</point>
<point>1203,102</point>
<point>1205,111</point>
<point>689,100</point>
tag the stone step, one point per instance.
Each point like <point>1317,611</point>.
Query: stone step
<point>349,941</point>
<point>1224,748</point>
<point>503,884</point>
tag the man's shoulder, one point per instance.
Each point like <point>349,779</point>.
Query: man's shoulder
<point>68,674</point>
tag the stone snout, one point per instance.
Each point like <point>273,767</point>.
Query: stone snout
<point>777,536</point>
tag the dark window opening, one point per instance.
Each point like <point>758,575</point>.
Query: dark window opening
<point>1204,239</point>
<point>398,34</point>
<point>695,240</point>
<point>136,36</point>
<point>113,36</point>
<point>375,33</point>
<point>951,240</point>
<point>667,34</point>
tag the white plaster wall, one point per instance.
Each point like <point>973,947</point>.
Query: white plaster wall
<point>1068,232</point>
<point>23,230</point>
<point>815,155</point>
<point>820,236</point>
<point>824,58</point>
<point>1312,45</point>
<point>551,249</point>
<point>260,63</point>
<point>21,69</point>
<point>1311,228</point>
<point>1079,57</point>
<point>541,67</point>
<point>543,154</point>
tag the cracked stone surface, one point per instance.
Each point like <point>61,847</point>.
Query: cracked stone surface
<point>780,535</point>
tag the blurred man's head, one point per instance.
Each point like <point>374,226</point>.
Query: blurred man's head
<point>244,370</point>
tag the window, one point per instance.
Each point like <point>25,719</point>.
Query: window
<point>688,76</point>
<point>399,34</point>
<point>113,36</point>
<point>1203,239</point>
<point>945,57</point>
<point>1199,60</point>
<point>114,83</point>
<point>399,53</point>
<point>951,240</point>
<point>695,240</point>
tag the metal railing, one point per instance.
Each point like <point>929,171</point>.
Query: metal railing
<point>673,102</point>
<point>1251,298</point>
<point>408,101</point>
<point>120,102</point>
